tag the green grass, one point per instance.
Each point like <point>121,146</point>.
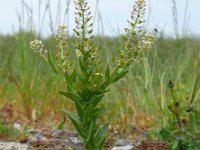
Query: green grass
<point>8,131</point>
<point>145,88</point>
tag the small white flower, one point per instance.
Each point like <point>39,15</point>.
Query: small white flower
<point>147,41</point>
<point>78,53</point>
<point>98,74</point>
<point>38,47</point>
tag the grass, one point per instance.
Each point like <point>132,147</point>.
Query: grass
<point>145,87</point>
<point>7,131</point>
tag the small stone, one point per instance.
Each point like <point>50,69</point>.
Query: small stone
<point>17,126</point>
<point>33,131</point>
<point>38,137</point>
<point>122,142</point>
<point>58,134</point>
<point>127,147</point>
<point>75,141</point>
<point>12,146</point>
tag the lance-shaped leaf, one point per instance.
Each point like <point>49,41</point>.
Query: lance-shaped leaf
<point>52,64</point>
<point>100,136</point>
<point>88,114</point>
<point>96,99</point>
<point>90,135</point>
<point>119,75</point>
<point>76,122</point>
<point>76,99</point>
<point>98,113</point>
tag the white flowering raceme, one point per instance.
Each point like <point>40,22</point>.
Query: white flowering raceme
<point>87,76</point>
<point>78,53</point>
<point>38,47</point>
<point>147,41</point>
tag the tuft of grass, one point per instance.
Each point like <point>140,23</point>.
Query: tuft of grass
<point>8,131</point>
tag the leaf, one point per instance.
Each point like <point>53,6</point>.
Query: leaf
<point>52,65</point>
<point>97,99</point>
<point>76,122</point>
<point>101,136</point>
<point>82,65</point>
<point>120,75</point>
<point>73,75</point>
<point>88,114</point>
<point>105,84</point>
<point>71,95</point>
<point>82,78</point>
<point>90,71</point>
<point>107,73</point>
<point>76,98</point>
<point>68,80</point>
<point>89,139</point>
<point>97,96</point>
<point>98,113</point>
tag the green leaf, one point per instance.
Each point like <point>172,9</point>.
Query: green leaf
<point>76,122</point>
<point>52,65</point>
<point>82,78</point>
<point>97,99</point>
<point>114,72</point>
<point>119,75</point>
<point>107,73</point>
<point>98,113</point>
<point>101,136</point>
<point>77,100</point>
<point>71,95</point>
<point>105,84</point>
<point>89,139</point>
<point>82,65</point>
<point>88,114</point>
<point>69,81</point>
<point>89,71</point>
<point>73,75</point>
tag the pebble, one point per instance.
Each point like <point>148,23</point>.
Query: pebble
<point>33,131</point>
<point>58,134</point>
<point>127,147</point>
<point>122,142</point>
<point>38,137</point>
<point>12,146</point>
<point>75,141</point>
<point>17,126</point>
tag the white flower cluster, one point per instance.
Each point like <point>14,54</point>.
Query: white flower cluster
<point>78,53</point>
<point>147,41</point>
<point>38,47</point>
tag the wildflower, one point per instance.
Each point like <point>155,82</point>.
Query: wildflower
<point>78,53</point>
<point>98,74</point>
<point>147,41</point>
<point>61,37</point>
<point>38,47</point>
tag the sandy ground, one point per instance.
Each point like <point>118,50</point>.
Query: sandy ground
<point>12,146</point>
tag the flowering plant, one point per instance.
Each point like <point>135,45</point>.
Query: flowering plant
<point>87,77</point>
